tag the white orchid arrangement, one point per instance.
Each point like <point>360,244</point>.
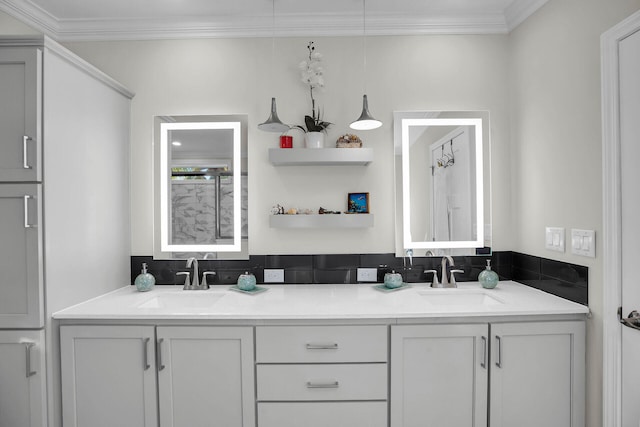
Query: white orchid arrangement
<point>312,75</point>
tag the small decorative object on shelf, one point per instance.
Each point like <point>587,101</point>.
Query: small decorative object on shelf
<point>487,277</point>
<point>358,203</point>
<point>286,141</point>
<point>349,141</point>
<point>277,210</point>
<point>323,211</point>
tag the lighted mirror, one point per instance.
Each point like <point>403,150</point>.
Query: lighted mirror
<point>200,180</point>
<point>441,199</point>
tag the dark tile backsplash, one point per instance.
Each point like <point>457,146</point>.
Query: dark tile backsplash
<point>569,281</point>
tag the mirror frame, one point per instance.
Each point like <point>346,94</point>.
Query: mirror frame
<point>480,120</point>
<point>163,249</point>
<point>409,243</point>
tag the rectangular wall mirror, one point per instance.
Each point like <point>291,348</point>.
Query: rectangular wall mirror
<point>200,187</point>
<point>441,182</point>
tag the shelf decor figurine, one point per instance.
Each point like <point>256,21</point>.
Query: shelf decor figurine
<point>349,141</point>
<point>312,75</point>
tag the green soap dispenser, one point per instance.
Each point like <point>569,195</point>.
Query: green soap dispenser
<point>488,278</point>
<point>145,281</point>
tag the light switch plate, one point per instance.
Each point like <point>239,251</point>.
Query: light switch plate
<point>274,275</point>
<point>554,238</point>
<point>583,242</point>
<point>367,275</point>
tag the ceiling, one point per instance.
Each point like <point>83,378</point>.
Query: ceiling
<point>76,20</point>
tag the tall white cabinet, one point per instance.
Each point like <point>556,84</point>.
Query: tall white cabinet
<point>64,204</point>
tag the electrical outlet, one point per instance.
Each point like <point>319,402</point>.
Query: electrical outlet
<point>274,275</point>
<point>367,275</point>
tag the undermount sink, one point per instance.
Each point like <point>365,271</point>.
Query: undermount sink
<point>183,300</point>
<point>464,297</point>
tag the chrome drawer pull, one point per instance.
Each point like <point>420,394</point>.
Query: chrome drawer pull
<point>26,212</point>
<point>145,353</point>
<point>483,364</point>
<point>28,347</point>
<point>334,384</point>
<point>25,163</point>
<point>311,346</point>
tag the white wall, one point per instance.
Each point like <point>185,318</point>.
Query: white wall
<point>556,142</point>
<point>225,76</point>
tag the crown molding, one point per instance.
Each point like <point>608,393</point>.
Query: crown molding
<point>287,25</point>
<point>520,10</point>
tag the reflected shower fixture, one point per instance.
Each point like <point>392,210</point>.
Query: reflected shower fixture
<point>273,123</point>
<point>366,120</point>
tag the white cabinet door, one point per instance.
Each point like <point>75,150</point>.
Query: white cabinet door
<point>108,376</point>
<point>22,383</point>
<point>537,374</point>
<point>21,256</point>
<point>206,376</point>
<point>20,117</point>
<point>439,375</point>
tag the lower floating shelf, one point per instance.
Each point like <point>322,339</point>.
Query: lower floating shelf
<point>322,221</point>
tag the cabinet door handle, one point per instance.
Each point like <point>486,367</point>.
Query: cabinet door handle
<point>483,364</point>
<point>312,346</point>
<point>26,212</point>
<point>28,347</point>
<point>160,364</point>
<point>332,384</point>
<point>25,161</point>
<point>498,352</point>
<point>145,353</point>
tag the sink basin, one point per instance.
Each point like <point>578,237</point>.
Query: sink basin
<point>460,297</point>
<point>183,300</point>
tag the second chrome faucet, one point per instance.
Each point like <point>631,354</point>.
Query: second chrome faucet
<point>194,284</point>
<point>447,274</point>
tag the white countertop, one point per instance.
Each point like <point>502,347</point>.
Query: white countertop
<point>309,302</point>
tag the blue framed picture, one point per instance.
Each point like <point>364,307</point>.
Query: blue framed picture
<point>358,203</point>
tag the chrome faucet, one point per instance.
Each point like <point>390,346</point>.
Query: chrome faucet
<point>195,279</point>
<point>449,282</point>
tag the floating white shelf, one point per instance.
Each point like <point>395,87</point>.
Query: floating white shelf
<point>322,221</point>
<point>320,156</point>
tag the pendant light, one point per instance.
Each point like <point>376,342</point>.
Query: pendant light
<point>273,123</point>
<point>366,120</point>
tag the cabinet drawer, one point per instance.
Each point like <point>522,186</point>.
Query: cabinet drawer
<point>322,414</point>
<point>321,344</point>
<point>322,382</point>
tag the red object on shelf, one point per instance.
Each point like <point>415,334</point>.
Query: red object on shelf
<point>286,141</point>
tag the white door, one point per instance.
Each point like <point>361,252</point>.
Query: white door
<point>439,375</point>
<point>21,268</point>
<point>20,121</point>
<point>629,57</point>
<point>22,384</point>
<point>206,376</point>
<point>537,374</point>
<point>108,376</point>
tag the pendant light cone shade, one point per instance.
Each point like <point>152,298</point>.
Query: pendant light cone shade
<point>365,121</point>
<point>273,123</point>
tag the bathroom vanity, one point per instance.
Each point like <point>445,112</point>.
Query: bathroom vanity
<point>318,355</point>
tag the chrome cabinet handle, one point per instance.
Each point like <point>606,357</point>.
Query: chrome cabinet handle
<point>159,350</point>
<point>332,384</point>
<point>498,352</point>
<point>145,353</point>
<point>28,347</point>
<point>483,364</point>
<point>25,162</point>
<point>26,212</point>
<point>632,321</point>
<point>312,346</point>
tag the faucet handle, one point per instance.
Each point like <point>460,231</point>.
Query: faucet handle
<point>187,284</point>
<point>434,281</point>
<point>453,282</point>
<point>204,284</point>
